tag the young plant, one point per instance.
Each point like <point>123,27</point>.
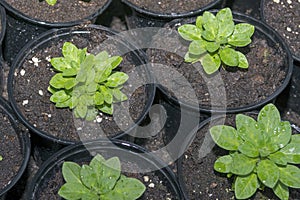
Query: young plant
<point>53,2</point>
<point>214,39</point>
<point>262,153</point>
<point>86,83</point>
<point>1,158</point>
<point>101,179</point>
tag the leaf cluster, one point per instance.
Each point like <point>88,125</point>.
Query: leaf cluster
<point>214,39</point>
<point>100,179</point>
<point>86,83</point>
<point>262,153</point>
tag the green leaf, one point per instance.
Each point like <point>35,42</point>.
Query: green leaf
<point>199,22</point>
<point>81,110</point>
<point>244,29</point>
<point>239,40</point>
<point>211,63</point>
<point>249,149</point>
<point>51,2</point>
<point>58,81</point>
<point>243,62</point>
<point>64,104</point>
<point>60,64</point>
<point>59,96</point>
<point>99,98</point>
<point>118,95</point>
<point>106,108</point>
<point>212,46</point>
<point>71,172</point>
<point>70,83</point>
<point>292,153</point>
<point>223,164</point>
<point>295,138</point>
<point>88,176</point>
<point>108,98</point>
<point>268,173</point>
<point>225,22</point>
<point>87,63</point>
<point>281,191</point>
<point>278,158</point>
<point>190,32</point>
<point>229,56</point>
<point>210,26</point>
<point>116,79</point>
<point>128,188</point>
<point>290,176</point>
<point>115,61</point>
<point>245,186</point>
<point>241,164</point>
<point>102,56</point>
<point>197,47</point>
<point>71,191</point>
<point>226,137</point>
<point>70,51</point>
<point>248,129</point>
<point>111,171</point>
<point>190,58</point>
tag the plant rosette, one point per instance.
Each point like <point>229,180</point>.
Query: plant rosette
<point>14,149</point>
<point>288,26</point>
<point>231,61</point>
<point>121,166</point>
<point>269,175</point>
<point>33,83</point>
<point>157,13</point>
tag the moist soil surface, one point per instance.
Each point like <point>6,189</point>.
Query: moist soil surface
<point>199,177</point>
<point>170,6</point>
<point>284,17</point>
<point>31,81</point>
<point>10,150</point>
<point>62,11</point>
<point>231,87</point>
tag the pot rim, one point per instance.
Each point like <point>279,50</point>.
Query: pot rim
<point>163,16</point>
<point>25,145</point>
<point>39,22</point>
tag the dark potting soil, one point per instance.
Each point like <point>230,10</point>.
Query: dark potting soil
<point>232,87</point>
<point>10,150</point>
<point>171,6</point>
<point>200,179</point>
<point>33,99</point>
<point>284,17</point>
<point>62,11</point>
<point>157,186</point>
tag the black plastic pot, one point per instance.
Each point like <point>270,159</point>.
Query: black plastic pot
<point>273,39</point>
<point>281,29</point>
<point>202,159</point>
<point>82,153</point>
<point>140,17</point>
<point>24,142</point>
<point>49,143</point>
<point>2,34</point>
<point>22,28</point>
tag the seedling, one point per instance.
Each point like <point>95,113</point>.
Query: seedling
<point>1,158</point>
<point>261,153</point>
<point>101,179</point>
<point>53,2</point>
<point>214,39</point>
<point>86,83</point>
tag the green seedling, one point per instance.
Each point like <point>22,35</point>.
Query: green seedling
<point>86,83</point>
<point>1,158</point>
<point>53,2</point>
<point>262,153</point>
<point>101,179</point>
<point>214,39</point>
